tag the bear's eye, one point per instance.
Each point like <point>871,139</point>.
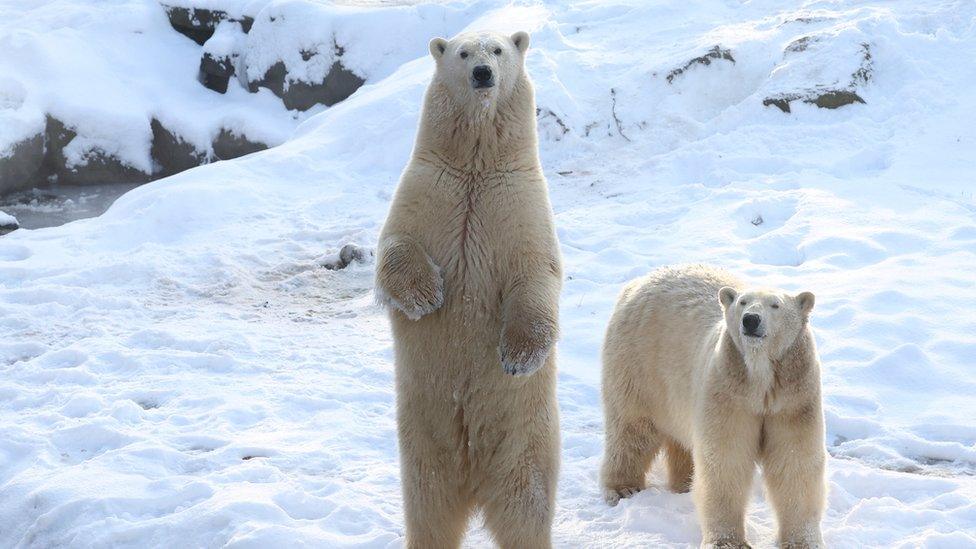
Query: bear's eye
<point>743,303</point>
<point>498,51</point>
<point>776,305</point>
<point>464,55</point>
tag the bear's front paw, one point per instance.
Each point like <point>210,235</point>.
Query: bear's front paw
<point>524,351</point>
<point>416,295</point>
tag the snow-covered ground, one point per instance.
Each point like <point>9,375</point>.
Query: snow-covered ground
<point>181,371</point>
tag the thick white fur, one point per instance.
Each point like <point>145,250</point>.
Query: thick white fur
<point>680,373</point>
<point>469,265</point>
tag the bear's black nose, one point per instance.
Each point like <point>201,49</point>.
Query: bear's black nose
<point>750,322</point>
<point>481,73</point>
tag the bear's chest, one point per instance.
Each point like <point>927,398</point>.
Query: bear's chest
<point>471,234</point>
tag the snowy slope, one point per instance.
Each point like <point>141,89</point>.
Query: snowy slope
<point>181,370</point>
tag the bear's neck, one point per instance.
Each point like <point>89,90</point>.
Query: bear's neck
<point>770,384</point>
<point>481,138</point>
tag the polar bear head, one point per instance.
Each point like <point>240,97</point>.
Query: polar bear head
<point>765,322</point>
<point>480,68</point>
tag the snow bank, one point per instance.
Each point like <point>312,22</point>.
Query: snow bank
<point>182,369</point>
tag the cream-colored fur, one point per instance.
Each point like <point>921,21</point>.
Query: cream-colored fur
<point>679,371</point>
<point>469,266</point>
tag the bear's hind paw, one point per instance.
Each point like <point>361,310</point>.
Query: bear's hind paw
<point>613,495</point>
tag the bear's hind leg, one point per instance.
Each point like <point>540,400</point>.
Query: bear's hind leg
<point>436,501</point>
<point>436,512</point>
<point>518,510</point>
<point>632,443</point>
<point>680,467</point>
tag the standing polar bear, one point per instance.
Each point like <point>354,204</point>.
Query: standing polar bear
<point>721,378</point>
<point>468,264</point>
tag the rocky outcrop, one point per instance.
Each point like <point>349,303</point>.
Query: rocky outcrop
<point>41,159</point>
<point>220,62</point>
<point>826,96</point>
<point>714,54</point>
<point>337,85</point>
<point>99,166</point>
<point>172,154</point>
<point>825,99</point>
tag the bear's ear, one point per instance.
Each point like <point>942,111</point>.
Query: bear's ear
<point>437,47</point>
<point>805,300</point>
<point>726,296</point>
<point>521,41</point>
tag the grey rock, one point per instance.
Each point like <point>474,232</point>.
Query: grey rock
<point>228,144</point>
<point>196,24</point>
<point>348,254</point>
<point>216,72</point>
<point>800,44</point>
<point>171,153</point>
<point>823,98</point>
<point>21,167</point>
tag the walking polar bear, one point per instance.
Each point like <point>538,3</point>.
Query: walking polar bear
<point>721,378</point>
<point>468,263</point>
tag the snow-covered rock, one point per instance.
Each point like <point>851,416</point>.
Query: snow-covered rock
<point>7,223</point>
<point>90,77</point>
